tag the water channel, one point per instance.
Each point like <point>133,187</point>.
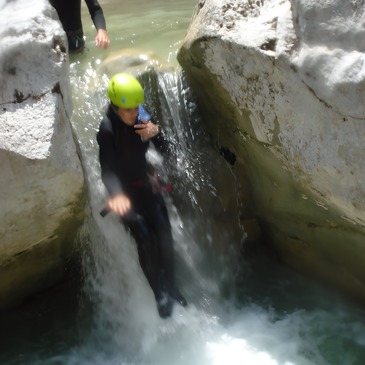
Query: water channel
<point>240,311</point>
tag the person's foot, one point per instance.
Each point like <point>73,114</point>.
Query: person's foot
<point>178,297</point>
<point>164,306</point>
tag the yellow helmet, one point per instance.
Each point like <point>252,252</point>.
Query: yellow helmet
<point>125,91</point>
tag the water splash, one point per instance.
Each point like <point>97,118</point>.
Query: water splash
<point>239,312</point>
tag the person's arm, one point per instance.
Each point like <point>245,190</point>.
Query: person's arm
<point>107,158</point>
<point>148,129</point>
<point>96,13</point>
<point>118,202</point>
<point>97,16</point>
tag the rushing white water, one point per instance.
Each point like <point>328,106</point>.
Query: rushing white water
<point>126,318</point>
<point>239,312</point>
<point>126,327</point>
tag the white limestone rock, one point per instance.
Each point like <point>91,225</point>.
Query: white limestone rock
<point>286,81</point>
<point>41,180</point>
<point>307,62</point>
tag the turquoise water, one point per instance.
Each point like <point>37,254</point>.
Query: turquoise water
<point>242,310</point>
<point>157,26</point>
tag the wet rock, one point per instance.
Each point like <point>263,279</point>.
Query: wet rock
<point>280,85</point>
<point>132,61</point>
<point>41,180</point>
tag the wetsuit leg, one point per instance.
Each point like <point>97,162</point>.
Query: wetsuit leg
<point>148,253</point>
<point>151,229</point>
<point>69,13</point>
<point>159,222</point>
<point>150,260</point>
<point>75,40</point>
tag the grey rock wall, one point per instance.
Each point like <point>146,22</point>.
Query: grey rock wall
<point>281,85</point>
<point>41,180</point>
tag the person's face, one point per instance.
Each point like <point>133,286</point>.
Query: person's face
<point>128,115</point>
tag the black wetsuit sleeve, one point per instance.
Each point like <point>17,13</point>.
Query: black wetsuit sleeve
<point>108,158</point>
<point>96,13</point>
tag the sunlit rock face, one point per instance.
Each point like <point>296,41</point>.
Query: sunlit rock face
<point>281,86</point>
<point>41,180</point>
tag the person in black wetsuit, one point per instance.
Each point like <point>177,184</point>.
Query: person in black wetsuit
<point>123,137</point>
<point>69,12</point>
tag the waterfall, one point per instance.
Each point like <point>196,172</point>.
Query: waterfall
<point>125,314</point>
<point>233,316</point>
<point>242,310</point>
